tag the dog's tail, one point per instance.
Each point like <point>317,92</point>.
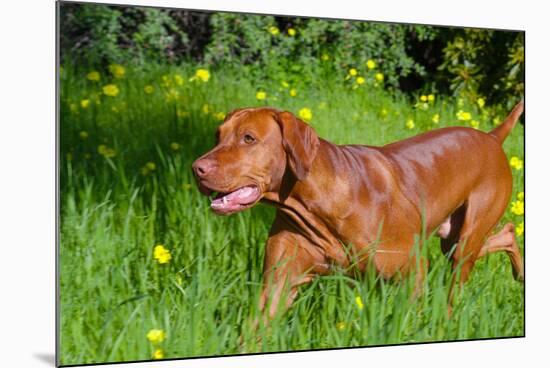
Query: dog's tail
<point>502,131</point>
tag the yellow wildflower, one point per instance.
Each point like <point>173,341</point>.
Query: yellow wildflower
<point>423,98</point>
<point>175,146</point>
<point>293,92</point>
<point>105,151</point>
<point>161,254</point>
<point>379,77</point>
<point>371,64</point>
<point>148,89</point>
<point>111,90</point>
<point>166,82</point>
<point>431,98</point>
<point>179,79</point>
<point>341,325</point>
<point>521,196</point>
<point>496,120</point>
<point>93,76</point>
<point>305,114</point>
<point>352,72</point>
<point>219,116</point>
<point>463,115</point>
<point>481,102</point>
<point>474,124</point>
<point>83,135</point>
<point>202,74</point>
<point>101,149</point>
<point>273,30</point>
<point>151,166</point>
<point>261,95</point>
<point>156,336</point>
<point>325,57</point>
<point>516,163</point>
<point>172,95</point>
<point>359,302</point>
<point>291,32</point>
<point>109,153</point>
<point>520,229</point>
<point>158,354</point>
<point>384,112</point>
<point>410,124</point>
<point>518,208</point>
<point>117,70</point>
<point>360,80</point>
<point>85,103</point>
<point>435,119</point>
<point>422,106</point>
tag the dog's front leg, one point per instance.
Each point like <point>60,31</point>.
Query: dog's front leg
<point>286,267</point>
<point>290,260</point>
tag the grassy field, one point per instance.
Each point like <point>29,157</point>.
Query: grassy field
<point>126,187</point>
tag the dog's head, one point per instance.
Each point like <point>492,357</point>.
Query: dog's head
<point>254,148</point>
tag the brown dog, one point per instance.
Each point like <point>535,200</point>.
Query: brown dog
<point>351,203</point>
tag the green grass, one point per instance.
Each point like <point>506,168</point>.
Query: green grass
<point>112,290</point>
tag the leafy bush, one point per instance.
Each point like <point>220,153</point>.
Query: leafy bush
<point>485,63</point>
<point>468,63</point>
<point>297,48</point>
<point>156,36</point>
<point>98,34</point>
<point>90,32</point>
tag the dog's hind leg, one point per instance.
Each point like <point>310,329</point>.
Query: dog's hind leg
<point>505,240</point>
<point>484,208</point>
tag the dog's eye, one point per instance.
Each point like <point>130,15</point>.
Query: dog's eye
<point>248,139</point>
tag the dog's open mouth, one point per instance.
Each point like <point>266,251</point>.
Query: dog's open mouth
<point>237,200</point>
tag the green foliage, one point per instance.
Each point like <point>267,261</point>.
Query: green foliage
<point>264,45</point>
<point>90,32</point>
<point>99,34</point>
<point>485,63</point>
<point>156,35</point>
<point>469,63</point>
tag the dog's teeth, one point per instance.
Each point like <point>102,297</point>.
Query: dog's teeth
<point>224,199</point>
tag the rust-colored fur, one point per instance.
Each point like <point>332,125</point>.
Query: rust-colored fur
<point>455,181</point>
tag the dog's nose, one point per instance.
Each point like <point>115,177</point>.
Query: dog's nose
<point>203,167</point>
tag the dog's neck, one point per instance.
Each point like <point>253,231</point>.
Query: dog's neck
<point>290,203</point>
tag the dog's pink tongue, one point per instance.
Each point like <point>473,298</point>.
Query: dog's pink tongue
<point>242,196</point>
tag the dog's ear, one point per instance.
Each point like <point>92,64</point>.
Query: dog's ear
<point>300,143</point>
